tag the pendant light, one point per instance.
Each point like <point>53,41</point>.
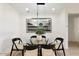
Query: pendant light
<point>38,7</point>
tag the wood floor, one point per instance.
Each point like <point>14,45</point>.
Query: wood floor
<point>73,48</point>
<point>72,51</point>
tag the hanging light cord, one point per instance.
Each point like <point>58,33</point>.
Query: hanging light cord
<point>37,11</point>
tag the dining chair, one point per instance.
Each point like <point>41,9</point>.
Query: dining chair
<point>44,39</point>
<point>30,47</point>
<point>43,36</point>
<point>48,46</point>
<point>33,39</point>
<point>31,50</point>
<point>17,46</point>
<point>59,45</point>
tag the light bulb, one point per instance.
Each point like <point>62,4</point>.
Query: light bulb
<point>53,9</point>
<point>27,9</point>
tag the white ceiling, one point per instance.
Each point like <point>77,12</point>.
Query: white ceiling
<point>43,9</point>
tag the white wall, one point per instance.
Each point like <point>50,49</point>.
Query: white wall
<point>62,27</point>
<point>9,26</point>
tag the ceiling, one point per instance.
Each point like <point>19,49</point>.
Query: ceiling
<point>42,9</point>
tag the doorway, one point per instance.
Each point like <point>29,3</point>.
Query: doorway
<point>73,31</point>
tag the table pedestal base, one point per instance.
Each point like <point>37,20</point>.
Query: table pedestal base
<point>39,50</point>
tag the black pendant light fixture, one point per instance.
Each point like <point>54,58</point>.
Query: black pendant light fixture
<point>40,3</point>
<point>38,7</point>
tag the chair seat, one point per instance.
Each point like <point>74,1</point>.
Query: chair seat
<point>36,41</point>
<point>31,47</point>
<point>56,44</point>
<point>48,46</point>
<point>19,46</point>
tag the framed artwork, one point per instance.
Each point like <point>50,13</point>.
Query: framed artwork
<point>33,23</point>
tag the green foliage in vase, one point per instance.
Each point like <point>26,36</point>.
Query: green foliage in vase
<point>40,29</point>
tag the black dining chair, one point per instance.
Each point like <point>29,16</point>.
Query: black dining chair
<point>48,45</point>
<point>59,45</point>
<point>45,39</point>
<point>43,36</point>
<point>17,46</point>
<point>33,38</point>
<point>30,46</point>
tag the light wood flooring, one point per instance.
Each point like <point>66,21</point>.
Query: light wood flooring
<point>73,50</point>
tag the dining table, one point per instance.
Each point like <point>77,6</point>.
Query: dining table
<point>45,46</point>
<point>42,44</point>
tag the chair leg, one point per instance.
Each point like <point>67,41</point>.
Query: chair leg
<point>11,52</point>
<point>22,52</point>
<point>54,52</point>
<point>64,52</point>
<point>54,49</point>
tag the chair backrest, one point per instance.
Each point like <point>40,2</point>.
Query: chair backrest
<point>14,40</point>
<point>31,47</point>
<point>60,43</point>
<point>33,38</point>
<point>45,38</point>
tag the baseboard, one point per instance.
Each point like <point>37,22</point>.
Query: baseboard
<point>73,41</point>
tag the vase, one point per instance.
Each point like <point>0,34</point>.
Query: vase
<point>39,37</point>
